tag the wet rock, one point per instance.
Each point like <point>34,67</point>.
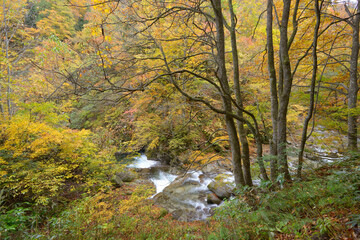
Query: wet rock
<point>147,172</point>
<point>143,172</point>
<point>125,176</point>
<point>222,186</point>
<point>185,198</point>
<point>222,191</point>
<point>164,158</point>
<point>164,168</point>
<point>211,198</point>
<point>175,170</point>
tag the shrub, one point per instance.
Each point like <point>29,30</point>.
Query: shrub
<point>44,162</point>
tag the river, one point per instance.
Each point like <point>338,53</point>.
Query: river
<point>184,194</point>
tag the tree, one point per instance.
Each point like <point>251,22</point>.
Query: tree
<point>152,53</point>
<point>280,95</point>
<point>273,89</point>
<point>11,17</point>
<point>353,81</point>
<point>304,136</point>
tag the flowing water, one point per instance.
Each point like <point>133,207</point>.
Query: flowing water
<point>142,162</point>
<point>187,193</point>
<point>162,179</point>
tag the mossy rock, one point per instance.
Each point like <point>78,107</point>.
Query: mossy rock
<point>116,181</point>
<point>126,175</point>
<point>222,186</point>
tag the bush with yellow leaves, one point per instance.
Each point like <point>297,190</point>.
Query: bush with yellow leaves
<point>43,162</point>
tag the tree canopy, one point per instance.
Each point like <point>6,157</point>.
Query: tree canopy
<point>251,84</point>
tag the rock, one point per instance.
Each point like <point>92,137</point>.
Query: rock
<point>217,167</point>
<point>162,157</point>
<point>144,182</point>
<point>147,172</point>
<point>211,198</point>
<point>116,181</point>
<point>123,155</point>
<point>221,190</point>
<point>176,214</point>
<point>211,168</point>
<point>126,175</point>
<point>222,186</point>
<point>185,215</point>
<point>185,198</point>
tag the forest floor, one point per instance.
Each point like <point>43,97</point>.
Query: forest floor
<point>324,205</point>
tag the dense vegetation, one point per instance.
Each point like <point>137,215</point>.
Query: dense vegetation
<point>262,86</point>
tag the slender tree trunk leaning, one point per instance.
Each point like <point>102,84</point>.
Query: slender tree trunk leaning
<point>226,96</point>
<point>304,136</point>
<point>238,96</point>
<point>273,91</point>
<point>353,85</point>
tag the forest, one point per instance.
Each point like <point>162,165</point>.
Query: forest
<point>247,110</point>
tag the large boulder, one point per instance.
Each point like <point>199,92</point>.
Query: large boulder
<point>222,186</point>
<point>185,198</point>
<point>124,176</point>
<point>212,198</point>
<point>216,167</point>
<point>116,181</point>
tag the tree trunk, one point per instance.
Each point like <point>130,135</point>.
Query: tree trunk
<point>353,85</point>
<point>312,90</point>
<point>238,96</point>
<point>273,91</point>
<point>226,96</point>
<point>8,69</point>
<point>284,95</point>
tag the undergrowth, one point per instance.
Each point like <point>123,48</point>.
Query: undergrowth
<point>124,213</point>
<point>325,206</point>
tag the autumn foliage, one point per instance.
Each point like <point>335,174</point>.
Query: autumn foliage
<point>83,80</point>
<point>45,163</point>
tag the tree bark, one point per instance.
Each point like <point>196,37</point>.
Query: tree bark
<point>312,89</point>
<point>8,69</point>
<point>284,95</point>
<point>353,84</point>
<point>226,96</point>
<point>273,91</point>
<point>236,78</point>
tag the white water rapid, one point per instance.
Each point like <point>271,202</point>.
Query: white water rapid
<point>162,180</point>
<point>186,194</point>
<point>142,162</point>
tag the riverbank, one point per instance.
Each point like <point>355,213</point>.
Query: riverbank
<point>324,206</point>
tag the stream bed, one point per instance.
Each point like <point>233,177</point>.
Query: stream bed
<point>187,195</point>
<point>183,194</point>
